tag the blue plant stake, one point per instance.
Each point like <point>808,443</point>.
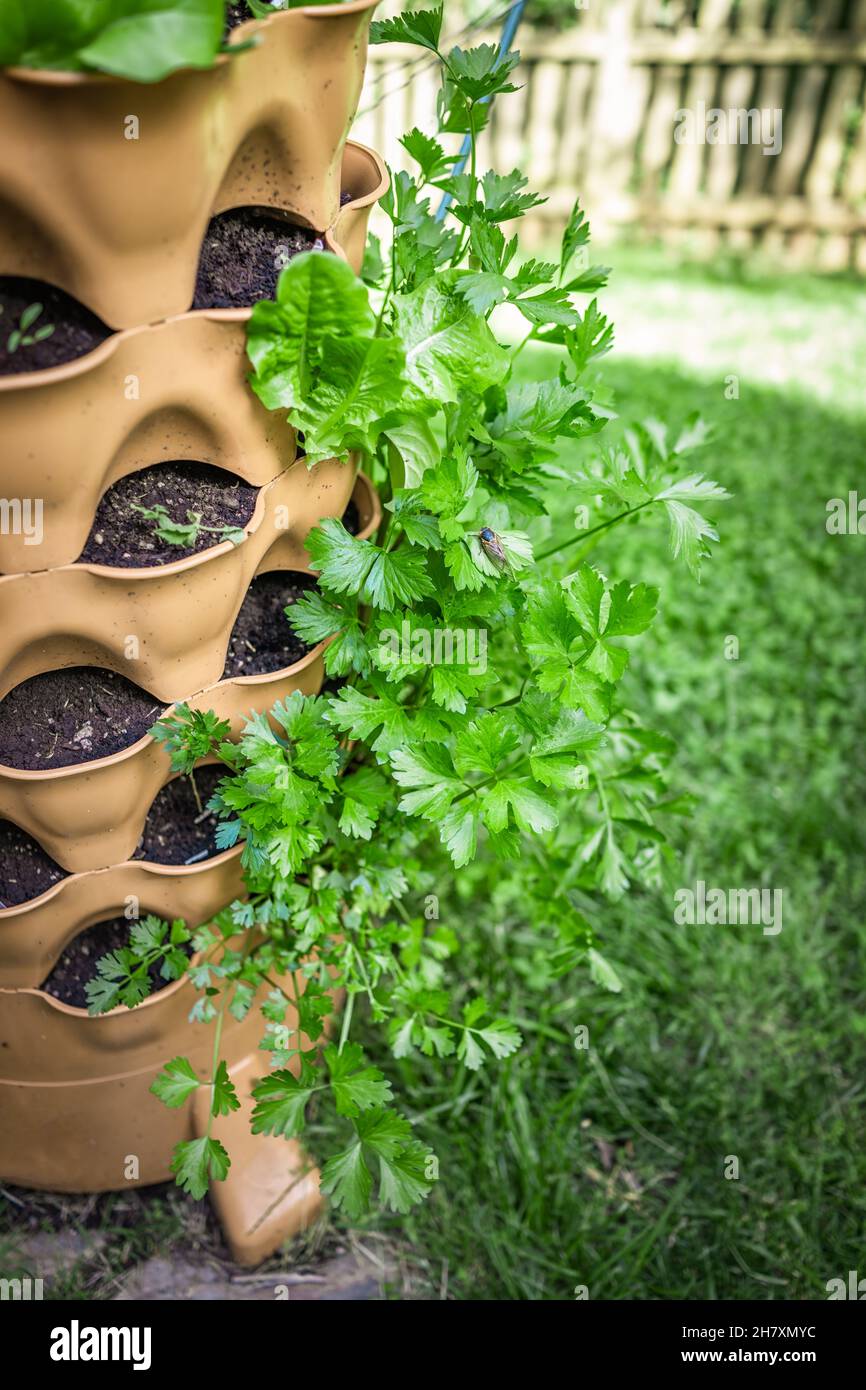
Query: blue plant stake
<point>509,29</point>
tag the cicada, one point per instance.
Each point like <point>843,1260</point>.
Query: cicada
<point>491,544</point>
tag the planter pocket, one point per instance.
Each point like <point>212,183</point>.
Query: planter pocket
<point>121,178</point>
<point>165,627</point>
<point>33,934</point>
<point>174,390</point>
<point>90,815</point>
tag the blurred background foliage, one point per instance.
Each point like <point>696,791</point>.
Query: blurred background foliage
<point>606,1168</point>
<point>603,91</point>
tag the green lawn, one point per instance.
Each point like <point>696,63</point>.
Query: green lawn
<point>606,1168</point>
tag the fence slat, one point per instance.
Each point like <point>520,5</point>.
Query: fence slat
<point>854,180</point>
<point>618,108</point>
<point>544,123</point>
<point>724,158</point>
<point>512,127</point>
<point>826,163</point>
<point>598,113</point>
<point>575,125</point>
<point>800,133</point>
<point>658,128</point>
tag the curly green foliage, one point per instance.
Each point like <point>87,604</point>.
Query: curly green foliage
<point>478,706</point>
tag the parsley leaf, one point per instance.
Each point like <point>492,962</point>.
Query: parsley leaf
<point>197,1162</point>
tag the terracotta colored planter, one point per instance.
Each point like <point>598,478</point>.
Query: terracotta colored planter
<point>114,212</point>
<point>91,815</point>
<point>365,176</point>
<point>34,934</point>
<point>179,615</point>
<point>110,200</point>
<point>78,1116</point>
<point>175,390</point>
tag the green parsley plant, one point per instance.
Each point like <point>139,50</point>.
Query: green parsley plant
<point>529,754</point>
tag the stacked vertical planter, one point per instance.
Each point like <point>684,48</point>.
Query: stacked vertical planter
<point>117,223</point>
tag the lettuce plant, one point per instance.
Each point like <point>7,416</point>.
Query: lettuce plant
<point>530,754</point>
<point>143,40</point>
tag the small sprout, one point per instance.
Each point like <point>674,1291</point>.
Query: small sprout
<point>186,533</point>
<point>21,337</point>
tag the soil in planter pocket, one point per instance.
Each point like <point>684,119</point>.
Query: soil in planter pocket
<point>237,12</point>
<point>72,716</point>
<point>123,538</point>
<point>352,519</point>
<point>177,829</point>
<point>242,255</point>
<point>76,331</point>
<point>26,870</point>
<point>243,252</point>
<point>76,967</point>
<point>262,638</point>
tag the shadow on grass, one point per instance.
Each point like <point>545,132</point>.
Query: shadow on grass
<point>605,1167</point>
<point>727,1048</point>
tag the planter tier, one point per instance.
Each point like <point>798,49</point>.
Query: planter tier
<point>91,815</point>
<point>78,1111</point>
<point>75,1096</point>
<point>181,615</point>
<point>120,178</point>
<point>35,934</point>
<point>110,203</point>
<point>174,390</point>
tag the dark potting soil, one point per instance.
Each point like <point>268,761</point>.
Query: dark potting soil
<point>177,829</point>
<point>262,638</point>
<point>352,519</point>
<point>26,870</point>
<point>237,13</point>
<point>122,537</point>
<point>72,716</point>
<point>77,965</point>
<point>242,255</point>
<point>75,330</point>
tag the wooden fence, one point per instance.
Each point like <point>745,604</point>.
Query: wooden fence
<point>597,115</point>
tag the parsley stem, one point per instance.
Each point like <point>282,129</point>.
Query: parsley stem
<point>419,689</point>
<point>216,1056</point>
<point>602,797</point>
<point>495,777</point>
<point>402,911</point>
<point>347,1021</point>
<point>515,699</point>
<point>603,526</point>
<point>531,335</point>
<point>386,298</point>
<point>368,988</point>
<point>465,237</point>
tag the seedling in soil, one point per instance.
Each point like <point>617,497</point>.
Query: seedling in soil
<point>21,336</point>
<point>186,533</point>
